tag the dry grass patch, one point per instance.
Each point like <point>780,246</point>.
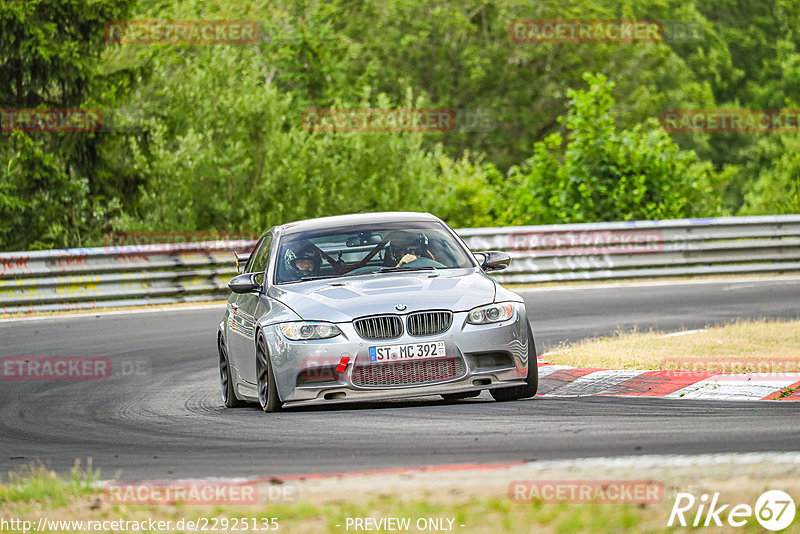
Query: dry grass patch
<point>739,347</point>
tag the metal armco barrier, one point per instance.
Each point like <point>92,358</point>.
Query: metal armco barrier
<point>152,274</point>
<point>86,278</point>
<point>639,249</point>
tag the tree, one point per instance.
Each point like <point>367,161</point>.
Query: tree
<point>777,189</point>
<point>606,175</point>
<point>56,186</point>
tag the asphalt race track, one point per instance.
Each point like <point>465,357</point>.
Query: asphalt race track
<point>163,417</point>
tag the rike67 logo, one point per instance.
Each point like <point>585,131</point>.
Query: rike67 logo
<point>774,510</point>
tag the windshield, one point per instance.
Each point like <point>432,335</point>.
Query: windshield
<point>363,249</point>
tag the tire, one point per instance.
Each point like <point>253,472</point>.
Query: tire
<point>532,381</point>
<point>226,378</point>
<point>265,378</point>
<point>462,395</point>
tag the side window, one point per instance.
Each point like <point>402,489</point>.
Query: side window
<point>249,264</point>
<point>261,256</point>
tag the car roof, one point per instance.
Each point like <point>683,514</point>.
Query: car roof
<point>355,218</point>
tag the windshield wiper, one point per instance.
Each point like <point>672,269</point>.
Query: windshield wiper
<point>398,269</point>
<point>309,278</point>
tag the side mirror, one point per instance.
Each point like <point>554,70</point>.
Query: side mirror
<point>245,283</point>
<point>493,260</point>
<point>241,261</point>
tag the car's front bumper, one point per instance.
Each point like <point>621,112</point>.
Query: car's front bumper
<point>489,356</point>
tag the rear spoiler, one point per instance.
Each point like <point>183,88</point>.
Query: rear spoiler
<point>241,261</point>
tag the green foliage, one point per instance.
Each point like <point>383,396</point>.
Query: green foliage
<point>777,189</point>
<point>763,70</point>
<point>50,49</point>
<point>209,137</point>
<point>57,188</point>
<point>40,205</point>
<point>232,159</point>
<point>464,195</point>
<point>459,54</point>
<point>606,175</point>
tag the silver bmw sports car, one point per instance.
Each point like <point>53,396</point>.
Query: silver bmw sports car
<point>371,307</point>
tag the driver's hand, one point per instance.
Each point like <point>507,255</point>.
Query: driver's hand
<point>406,259</point>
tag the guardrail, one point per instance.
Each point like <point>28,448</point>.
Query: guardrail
<point>129,275</point>
<point>638,249</point>
<point>87,278</point>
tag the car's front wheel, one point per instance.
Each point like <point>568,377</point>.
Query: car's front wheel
<point>531,382</point>
<point>226,378</point>
<point>265,378</point>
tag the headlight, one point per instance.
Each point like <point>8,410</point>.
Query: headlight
<point>303,330</point>
<point>493,313</point>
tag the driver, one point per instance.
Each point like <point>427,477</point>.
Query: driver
<point>406,247</point>
<point>307,259</point>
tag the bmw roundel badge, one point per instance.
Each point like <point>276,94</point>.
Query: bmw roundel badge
<point>401,307</point>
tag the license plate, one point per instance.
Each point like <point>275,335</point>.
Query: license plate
<point>413,351</point>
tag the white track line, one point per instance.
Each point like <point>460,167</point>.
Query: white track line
<point>684,332</point>
<point>790,279</point>
<point>99,313</point>
<point>672,460</point>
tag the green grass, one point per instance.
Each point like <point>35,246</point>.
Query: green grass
<point>788,391</point>
<point>488,515</point>
<point>35,491</point>
<point>36,483</point>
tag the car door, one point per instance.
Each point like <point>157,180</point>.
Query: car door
<point>243,338</point>
<point>235,324</point>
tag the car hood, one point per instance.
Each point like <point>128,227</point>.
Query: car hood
<point>342,299</point>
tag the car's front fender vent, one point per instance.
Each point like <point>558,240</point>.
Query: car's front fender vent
<point>429,323</point>
<point>379,327</point>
